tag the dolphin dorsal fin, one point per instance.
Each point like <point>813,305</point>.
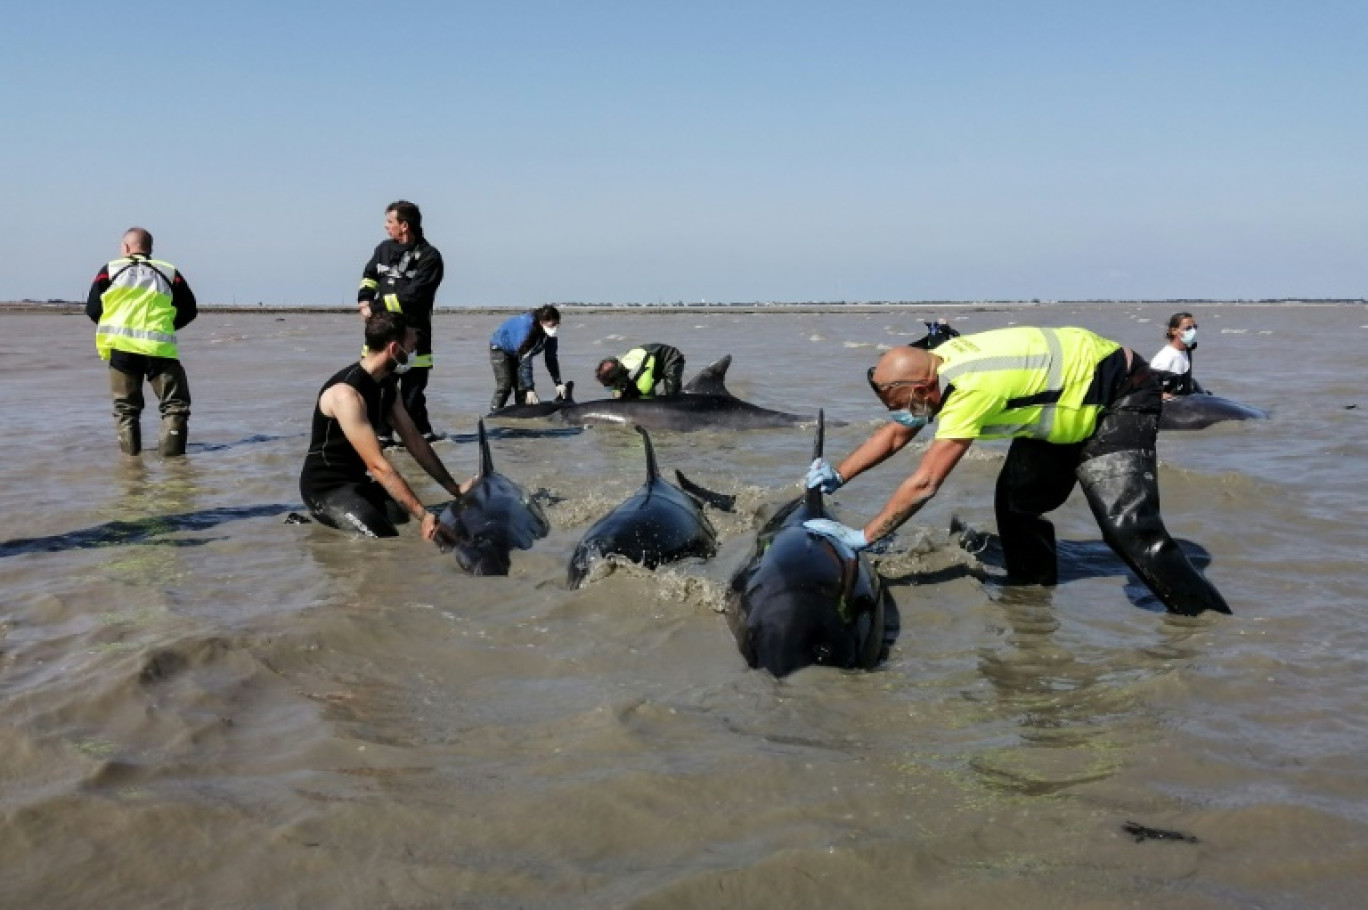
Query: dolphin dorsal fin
<point>712,380</point>
<point>814,494</point>
<point>486,460</point>
<point>652,470</point>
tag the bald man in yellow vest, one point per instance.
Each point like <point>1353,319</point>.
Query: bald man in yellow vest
<point>1078,408</point>
<point>138,304</point>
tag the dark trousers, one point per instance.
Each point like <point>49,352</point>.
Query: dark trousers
<point>127,373</point>
<point>364,508</point>
<point>1118,470</point>
<point>509,375</point>
<point>164,374</point>
<point>413,393</point>
<point>671,378</point>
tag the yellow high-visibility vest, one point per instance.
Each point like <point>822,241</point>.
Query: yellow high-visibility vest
<point>1029,382</point>
<point>138,314</point>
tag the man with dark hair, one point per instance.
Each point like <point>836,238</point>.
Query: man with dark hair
<point>513,345</point>
<point>637,373</point>
<point>138,304</point>
<point>346,481</point>
<point>402,277</point>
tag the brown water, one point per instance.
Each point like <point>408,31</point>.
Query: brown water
<point>204,706</point>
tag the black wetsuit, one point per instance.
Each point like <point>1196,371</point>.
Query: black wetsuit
<point>334,482</point>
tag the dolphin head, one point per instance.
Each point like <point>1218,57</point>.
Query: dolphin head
<point>797,629</point>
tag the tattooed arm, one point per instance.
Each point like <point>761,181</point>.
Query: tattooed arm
<point>916,491</point>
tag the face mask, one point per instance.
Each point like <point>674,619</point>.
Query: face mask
<point>550,330</point>
<point>1188,337</point>
<point>403,366</point>
<point>907,419</point>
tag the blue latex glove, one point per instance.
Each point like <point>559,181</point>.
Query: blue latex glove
<point>823,475</point>
<point>851,538</point>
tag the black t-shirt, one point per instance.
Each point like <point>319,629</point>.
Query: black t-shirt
<point>332,461</point>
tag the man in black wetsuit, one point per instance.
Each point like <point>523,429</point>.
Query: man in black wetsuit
<point>402,277</point>
<point>344,449</point>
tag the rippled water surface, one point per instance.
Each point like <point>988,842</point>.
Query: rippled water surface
<point>202,705</point>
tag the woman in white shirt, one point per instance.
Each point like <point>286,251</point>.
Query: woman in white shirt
<point>1173,362</point>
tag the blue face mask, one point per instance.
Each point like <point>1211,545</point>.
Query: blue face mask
<point>906,418</point>
<point>1188,337</point>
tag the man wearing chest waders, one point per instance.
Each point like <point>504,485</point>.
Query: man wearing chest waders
<point>1078,409</point>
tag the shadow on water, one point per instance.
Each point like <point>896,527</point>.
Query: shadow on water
<point>245,441</point>
<point>147,531</point>
<point>1081,559</point>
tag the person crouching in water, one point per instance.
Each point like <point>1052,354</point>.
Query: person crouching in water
<point>514,343</point>
<point>346,482</point>
<point>1078,408</point>
<point>637,373</point>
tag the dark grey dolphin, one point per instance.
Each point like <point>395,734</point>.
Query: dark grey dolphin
<point>492,518</point>
<point>658,524</point>
<point>804,599</point>
<point>704,403</point>
<point>1199,411</point>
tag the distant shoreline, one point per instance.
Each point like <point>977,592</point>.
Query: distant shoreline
<point>62,307</point>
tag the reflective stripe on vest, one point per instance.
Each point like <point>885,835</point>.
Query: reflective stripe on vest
<point>138,315</point>
<point>640,366</point>
<point>392,303</point>
<point>1040,376</point>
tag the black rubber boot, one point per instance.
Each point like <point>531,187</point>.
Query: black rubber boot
<point>171,442</point>
<point>1123,492</point>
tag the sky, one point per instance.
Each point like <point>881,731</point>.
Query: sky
<point>645,151</point>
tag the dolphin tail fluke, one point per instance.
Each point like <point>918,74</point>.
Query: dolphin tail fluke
<point>652,470</point>
<point>720,501</point>
<point>712,380</point>
<point>814,494</point>
<point>486,460</point>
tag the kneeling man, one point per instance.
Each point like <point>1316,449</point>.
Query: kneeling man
<point>346,482</point>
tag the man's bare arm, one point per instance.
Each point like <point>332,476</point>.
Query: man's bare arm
<point>884,442</point>
<point>916,491</point>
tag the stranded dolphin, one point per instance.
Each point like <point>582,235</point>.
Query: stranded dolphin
<point>1199,411</point>
<point>658,524</point>
<point>805,599</point>
<point>491,518</point>
<point>704,403</point>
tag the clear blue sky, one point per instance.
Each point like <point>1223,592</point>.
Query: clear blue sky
<point>643,151</point>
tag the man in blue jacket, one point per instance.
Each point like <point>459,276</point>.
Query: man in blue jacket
<point>511,349</point>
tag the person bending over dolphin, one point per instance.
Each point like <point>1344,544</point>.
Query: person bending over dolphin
<point>514,343</point>
<point>637,373</point>
<point>1078,408</point>
<point>344,448</point>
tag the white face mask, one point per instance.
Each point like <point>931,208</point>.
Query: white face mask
<point>403,366</point>
<point>550,330</point>
<point>1188,337</point>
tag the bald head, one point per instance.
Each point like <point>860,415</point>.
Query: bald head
<point>906,364</point>
<point>137,240</point>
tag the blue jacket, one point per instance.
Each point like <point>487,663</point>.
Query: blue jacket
<point>511,334</point>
